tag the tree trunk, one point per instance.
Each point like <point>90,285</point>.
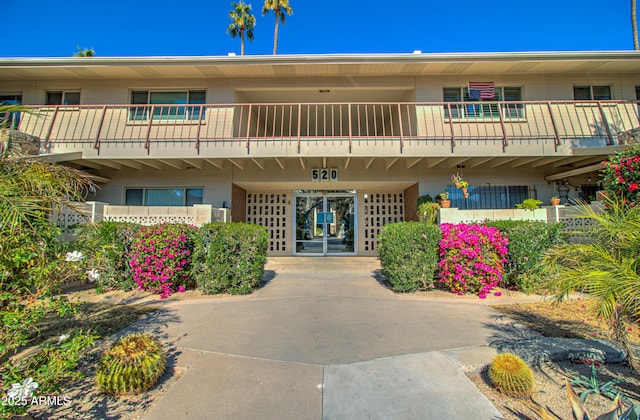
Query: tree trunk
<point>241,42</point>
<point>634,25</point>
<point>275,34</point>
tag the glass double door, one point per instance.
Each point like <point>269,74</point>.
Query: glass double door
<point>325,224</point>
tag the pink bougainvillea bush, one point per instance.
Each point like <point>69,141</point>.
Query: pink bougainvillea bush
<point>160,258</point>
<point>621,175</point>
<point>472,258</point>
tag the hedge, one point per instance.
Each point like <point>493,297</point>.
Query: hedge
<point>229,257</point>
<point>106,245</point>
<point>528,242</point>
<point>409,255</point>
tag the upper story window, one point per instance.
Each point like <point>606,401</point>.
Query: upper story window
<point>62,97</point>
<point>592,93</point>
<point>162,196</point>
<point>479,110</point>
<point>12,119</point>
<point>174,100</point>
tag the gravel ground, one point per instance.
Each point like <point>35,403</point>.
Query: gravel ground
<point>550,392</point>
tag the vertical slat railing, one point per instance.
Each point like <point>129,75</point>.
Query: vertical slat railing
<point>98,125</point>
<point>96,143</point>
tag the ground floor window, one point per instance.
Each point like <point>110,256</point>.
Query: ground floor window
<point>490,196</point>
<point>163,196</point>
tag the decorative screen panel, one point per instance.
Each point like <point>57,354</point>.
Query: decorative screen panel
<point>270,210</point>
<point>379,210</point>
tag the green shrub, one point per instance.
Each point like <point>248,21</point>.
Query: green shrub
<point>409,255</point>
<point>32,269</point>
<point>424,199</point>
<point>529,204</point>
<point>428,212</point>
<point>229,257</point>
<point>107,246</point>
<point>528,242</point>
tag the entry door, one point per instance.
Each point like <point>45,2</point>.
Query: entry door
<point>325,224</point>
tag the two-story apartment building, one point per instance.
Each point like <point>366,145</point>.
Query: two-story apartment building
<point>325,149</point>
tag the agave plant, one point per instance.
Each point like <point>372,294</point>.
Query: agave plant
<point>607,268</point>
<point>592,385</point>
<point>616,412</point>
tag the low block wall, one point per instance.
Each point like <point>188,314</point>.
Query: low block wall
<point>198,214</point>
<point>454,215</point>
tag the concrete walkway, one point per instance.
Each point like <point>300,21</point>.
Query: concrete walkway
<point>325,340</point>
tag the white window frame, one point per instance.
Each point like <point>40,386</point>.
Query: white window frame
<point>474,109</point>
<point>144,195</point>
<point>189,111</point>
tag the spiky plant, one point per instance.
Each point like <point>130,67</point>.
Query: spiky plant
<point>511,375</point>
<point>607,268</point>
<point>132,365</point>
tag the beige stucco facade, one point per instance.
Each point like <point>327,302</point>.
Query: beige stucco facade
<point>379,121</point>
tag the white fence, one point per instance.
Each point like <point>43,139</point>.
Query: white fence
<point>198,214</point>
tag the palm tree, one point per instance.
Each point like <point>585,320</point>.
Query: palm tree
<point>606,268</point>
<point>634,25</point>
<point>30,188</point>
<point>84,52</point>
<point>242,21</point>
<point>279,7</point>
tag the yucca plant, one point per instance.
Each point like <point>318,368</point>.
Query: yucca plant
<point>132,365</point>
<point>607,268</point>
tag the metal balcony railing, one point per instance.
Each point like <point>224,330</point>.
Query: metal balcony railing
<point>582,124</point>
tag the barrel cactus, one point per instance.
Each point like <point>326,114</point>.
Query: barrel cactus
<point>132,365</point>
<point>510,375</point>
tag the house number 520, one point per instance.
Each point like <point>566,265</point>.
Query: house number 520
<point>324,174</point>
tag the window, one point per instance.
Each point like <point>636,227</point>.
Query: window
<point>489,196</point>
<point>162,196</point>
<point>638,99</point>
<point>167,113</point>
<point>10,120</point>
<point>60,97</point>
<point>476,109</point>
<point>589,93</point>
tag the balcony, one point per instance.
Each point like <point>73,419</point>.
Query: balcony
<point>526,128</point>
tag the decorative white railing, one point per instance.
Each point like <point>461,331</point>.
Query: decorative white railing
<point>198,214</point>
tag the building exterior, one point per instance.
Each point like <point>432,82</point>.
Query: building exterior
<point>325,149</point>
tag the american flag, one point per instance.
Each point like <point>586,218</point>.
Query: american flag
<point>482,90</point>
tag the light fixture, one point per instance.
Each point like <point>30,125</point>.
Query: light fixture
<point>589,178</point>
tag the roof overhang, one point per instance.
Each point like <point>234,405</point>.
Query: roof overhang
<point>322,65</point>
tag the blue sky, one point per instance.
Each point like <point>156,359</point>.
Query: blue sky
<point>45,28</point>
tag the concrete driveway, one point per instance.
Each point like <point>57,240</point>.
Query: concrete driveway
<point>324,339</point>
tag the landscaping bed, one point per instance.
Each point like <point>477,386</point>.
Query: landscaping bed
<point>568,319</point>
